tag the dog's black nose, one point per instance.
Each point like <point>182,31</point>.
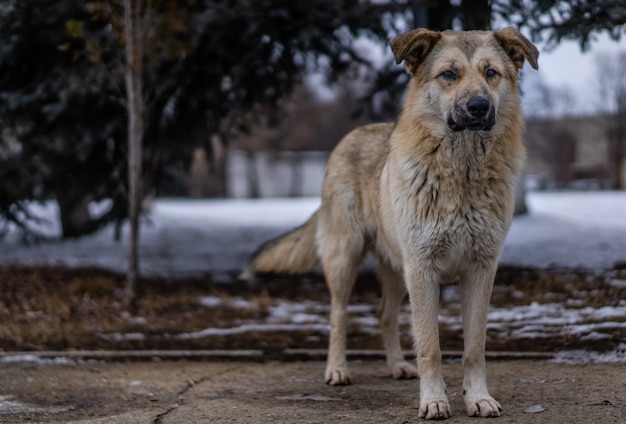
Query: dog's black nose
<point>478,107</point>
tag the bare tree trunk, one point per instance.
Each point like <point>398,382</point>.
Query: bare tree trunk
<point>296,186</point>
<point>74,212</point>
<point>218,168</point>
<point>620,151</point>
<point>520,207</point>
<point>612,90</point>
<point>134,107</point>
<point>254,192</point>
<point>620,128</point>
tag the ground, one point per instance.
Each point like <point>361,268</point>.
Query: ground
<point>288,392</point>
<point>277,332</point>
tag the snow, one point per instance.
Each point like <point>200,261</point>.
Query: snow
<point>584,357</point>
<point>569,230</point>
<point>119,337</point>
<point>252,328</point>
<point>177,237</point>
<point>9,406</point>
<point>533,321</point>
<point>198,237</point>
<point>35,359</point>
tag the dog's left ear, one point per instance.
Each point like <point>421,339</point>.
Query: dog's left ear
<point>517,47</point>
<point>413,47</point>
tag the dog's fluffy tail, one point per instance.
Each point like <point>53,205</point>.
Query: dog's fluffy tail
<point>291,253</point>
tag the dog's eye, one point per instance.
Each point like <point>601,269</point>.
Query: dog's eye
<point>491,73</point>
<point>449,75</point>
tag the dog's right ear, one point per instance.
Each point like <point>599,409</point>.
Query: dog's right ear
<point>413,47</point>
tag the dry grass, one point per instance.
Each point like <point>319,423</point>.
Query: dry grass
<point>53,308</point>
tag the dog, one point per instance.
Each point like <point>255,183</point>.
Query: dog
<point>432,197</point>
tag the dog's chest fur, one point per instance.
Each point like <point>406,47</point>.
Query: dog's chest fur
<point>453,200</point>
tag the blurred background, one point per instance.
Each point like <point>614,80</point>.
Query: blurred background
<point>246,98</point>
<point>214,120</point>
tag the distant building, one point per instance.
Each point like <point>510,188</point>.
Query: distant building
<point>574,152</point>
<point>275,174</point>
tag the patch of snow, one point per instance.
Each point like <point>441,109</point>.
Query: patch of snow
<point>302,318</point>
<point>239,303</point>
<point>36,359</point>
<point>619,284</point>
<point>197,237</point>
<point>595,336</point>
<point>548,320</point>
<point>9,406</point>
<point>119,337</point>
<point>569,230</point>
<point>137,320</point>
<point>251,328</point>
<point>210,301</point>
<point>361,309</point>
<point>585,357</point>
<point>285,310</point>
<point>233,302</point>
<point>578,330</point>
<point>367,321</point>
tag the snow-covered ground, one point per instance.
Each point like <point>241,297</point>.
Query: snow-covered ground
<point>543,322</point>
<point>569,229</point>
<point>196,237</point>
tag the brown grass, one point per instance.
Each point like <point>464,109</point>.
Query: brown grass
<point>55,308</point>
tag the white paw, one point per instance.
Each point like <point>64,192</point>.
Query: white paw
<point>337,376</point>
<point>435,409</point>
<point>486,407</point>
<point>403,370</point>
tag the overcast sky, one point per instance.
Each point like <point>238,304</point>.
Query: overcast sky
<point>568,68</point>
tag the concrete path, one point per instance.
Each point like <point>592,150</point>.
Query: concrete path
<point>170,392</point>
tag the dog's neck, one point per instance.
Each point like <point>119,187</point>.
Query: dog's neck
<point>468,144</point>
<point>466,153</point>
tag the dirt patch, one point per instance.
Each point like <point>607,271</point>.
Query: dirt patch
<point>55,308</point>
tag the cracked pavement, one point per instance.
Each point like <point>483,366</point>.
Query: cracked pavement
<point>168,392</point>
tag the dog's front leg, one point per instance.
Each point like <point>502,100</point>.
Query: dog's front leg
<point>423,290</point>
<point>476,288</point>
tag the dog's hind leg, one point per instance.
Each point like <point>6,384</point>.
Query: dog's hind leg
<point>341,256</point>
<point>393,291</point>
<point>476,286</point>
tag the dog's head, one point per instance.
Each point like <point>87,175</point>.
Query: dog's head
<point>465,80</point>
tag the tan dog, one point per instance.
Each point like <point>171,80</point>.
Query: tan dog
<point>432,197</point>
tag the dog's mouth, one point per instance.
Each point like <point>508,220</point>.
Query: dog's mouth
<point>473,125</point>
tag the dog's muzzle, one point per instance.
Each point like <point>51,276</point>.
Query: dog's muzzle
<point>477,115</point>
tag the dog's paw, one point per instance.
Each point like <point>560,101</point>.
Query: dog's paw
<point>435,409</point>
<point>486,407</point>
<point>403,370</point>
<point>337,377</point>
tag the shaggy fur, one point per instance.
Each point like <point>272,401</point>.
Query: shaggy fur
<point>432,196</point>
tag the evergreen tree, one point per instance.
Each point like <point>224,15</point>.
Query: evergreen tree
<point>208,66</point>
